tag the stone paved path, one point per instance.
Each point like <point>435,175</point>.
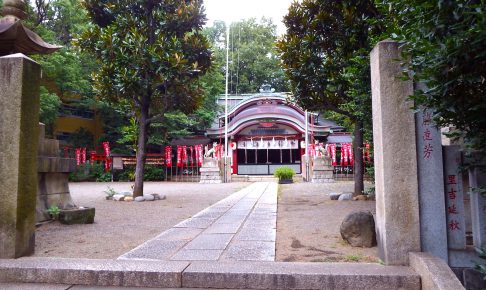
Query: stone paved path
<point>241,227</point>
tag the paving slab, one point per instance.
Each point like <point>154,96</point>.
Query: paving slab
<point>197,255</point>
<point>155,250</point>
<point>260,234</point>
<point>177,234</point>
<point>197,223</point>
<point>131,273</point>
<point>250,251</point>
<point>209,242</point>
<point>280,275</point>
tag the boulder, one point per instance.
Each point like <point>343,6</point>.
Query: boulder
<point>149,197</point>
<point>358,229</point>
<point>139,198</point>
<point>345,196</point>
<point>334,195</point>
<point>118,197</point>
<point>126,193</point>
<point>128,198</point>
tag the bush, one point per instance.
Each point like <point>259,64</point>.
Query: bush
<point>90,172</point>
<point>284,173</point>
<point>151,173</point>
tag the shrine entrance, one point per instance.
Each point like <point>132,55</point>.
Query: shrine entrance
<point>266,131</point>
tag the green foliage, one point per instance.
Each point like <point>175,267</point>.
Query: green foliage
<point>284,173</point>
<point>443,43</point>
<point>325,54</point>
<point>49,107</point>
<point>54,211</point>
<point>151,173</point>
<point>154,173</point>
<point>110,192</point>
<point>150,54</point>
<point>90,172</point>
<point>129,134</point>
<point>482,254</point>
<point>253,57</point>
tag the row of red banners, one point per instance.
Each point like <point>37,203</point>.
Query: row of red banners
<point>80,155</point>
<point>347,156</point>
<point>186,155</point>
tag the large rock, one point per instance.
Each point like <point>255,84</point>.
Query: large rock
<point>139,198</point>
<point>358,229</point>
<point>149,197</point>
<point>345,196</point>
<point>334,195</point>
<point>118,197</point>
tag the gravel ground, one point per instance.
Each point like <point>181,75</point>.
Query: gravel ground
<point>121,226</point>
<point>308,224</point>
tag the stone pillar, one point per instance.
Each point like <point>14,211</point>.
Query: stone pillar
<point>432,202</point>
<point>397,207</point>
<point>322,171</point>
<point>454,194</point>
<point>19,119</point>
<point>477,179</point>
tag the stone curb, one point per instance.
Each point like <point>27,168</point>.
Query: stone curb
<point>282,275</point>
<point>135,273</point>
<point>435,273</point>
<point>237,275</point>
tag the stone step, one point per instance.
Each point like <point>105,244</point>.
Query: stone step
<point>227,275</point>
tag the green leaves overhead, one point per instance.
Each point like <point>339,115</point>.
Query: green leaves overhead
<point>445,43</point>
<point>325,54</point>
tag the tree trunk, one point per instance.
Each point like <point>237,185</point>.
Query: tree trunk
<point>358,158</point>
<point>141,148</point>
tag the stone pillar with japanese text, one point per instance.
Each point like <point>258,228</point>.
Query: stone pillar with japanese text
<point>397,201</point>
<point>477,180</point>
<point>454,194</point>
<point>433,229</point>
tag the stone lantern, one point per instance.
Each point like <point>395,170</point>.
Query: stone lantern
<point>15,37</point>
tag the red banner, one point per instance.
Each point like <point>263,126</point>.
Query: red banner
<point>78,156</point>
<point>333,154</point>
<point>168,156</point>
<point>184,155</point>
<point>312,150</point>
<point>191,155</point>
<point>106,148</point>
<point>199,155</point>
<point>344,154</point>
<point>83,155</point>
<point>179,156</point>
<point>351,155</point>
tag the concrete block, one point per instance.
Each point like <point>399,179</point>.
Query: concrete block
<point>134,273</point>
<point>209,242</point>
<point>397,206</point>
<point>434,272</point>
<point>281,275</point>
<point>19,129</point>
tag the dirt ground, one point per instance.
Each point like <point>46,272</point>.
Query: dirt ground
<point>307,221</point>
<point>121,226</point>
<point>308,224</point>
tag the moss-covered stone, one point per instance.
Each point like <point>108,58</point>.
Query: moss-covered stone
<point>77,216</point>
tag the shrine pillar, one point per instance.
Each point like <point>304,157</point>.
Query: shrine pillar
<point>397,202</point>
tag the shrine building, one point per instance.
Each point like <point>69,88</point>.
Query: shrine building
<point>267,131</point>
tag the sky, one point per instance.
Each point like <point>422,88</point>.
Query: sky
<point>235,10</point>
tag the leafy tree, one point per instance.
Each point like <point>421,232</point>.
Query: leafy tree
<point>253,57</point>
<point>49,109</point>
<point>150,53</point>
<point>444,44</point>
<point>325,54</point>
